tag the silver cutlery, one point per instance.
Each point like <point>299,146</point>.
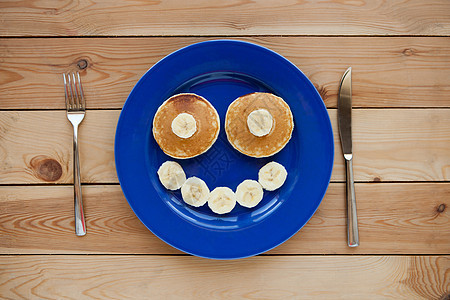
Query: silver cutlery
<point>75,106</point>
<point>345,132</point>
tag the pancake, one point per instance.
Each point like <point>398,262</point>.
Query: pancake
<point>197,140</point>
<point>237,124</point>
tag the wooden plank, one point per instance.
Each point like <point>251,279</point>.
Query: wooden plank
<point>53,18</point>
<point>132,277</point>
<point>389,145</point>
<point>393,219</point>
<point>36,147</point>
<point>387,72</point>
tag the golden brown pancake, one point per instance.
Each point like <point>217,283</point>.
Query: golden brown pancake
<point>243,140</point>
<point>207,122</point>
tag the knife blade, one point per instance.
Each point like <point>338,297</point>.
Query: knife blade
<point>345,112</point>
<point>345,133</point>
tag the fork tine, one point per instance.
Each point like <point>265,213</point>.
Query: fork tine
<point>75,90</point>
<point>65,91</point>
<point>71,97</point>
<point>82,103</point>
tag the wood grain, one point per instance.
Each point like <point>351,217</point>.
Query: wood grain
<point>401,218</point>
<point>136,18</point>
<point>387,72</point>
<point>389,145</point>
<point>400,54</point>
<point>33,144</point>
<point>138,277</point>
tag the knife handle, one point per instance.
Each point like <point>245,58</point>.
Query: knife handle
<point>352,218</point>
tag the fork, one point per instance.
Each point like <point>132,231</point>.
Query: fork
<point>75,106</point>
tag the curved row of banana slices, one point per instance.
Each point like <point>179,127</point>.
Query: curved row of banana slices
<point>222,200</point>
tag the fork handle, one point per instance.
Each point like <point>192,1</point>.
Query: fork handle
<point>352,218</point>
<point>80,225</point>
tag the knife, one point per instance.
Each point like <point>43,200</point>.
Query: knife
<point>345,132</point>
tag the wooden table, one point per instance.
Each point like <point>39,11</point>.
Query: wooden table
<point>400,54</point>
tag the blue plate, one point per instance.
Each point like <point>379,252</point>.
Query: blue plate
<point>221,71</point>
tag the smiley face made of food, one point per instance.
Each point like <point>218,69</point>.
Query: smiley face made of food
<point>187,125</point>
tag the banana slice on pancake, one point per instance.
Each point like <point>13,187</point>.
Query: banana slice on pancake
<point>184,125</point>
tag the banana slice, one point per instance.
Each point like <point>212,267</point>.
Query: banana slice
<point>171,175</point>
<point>222,200</point>
<point>272,176</point>
<point>249,193</point>
<point>260,122</point>
<point>195,192</point>
<point>184,125</point>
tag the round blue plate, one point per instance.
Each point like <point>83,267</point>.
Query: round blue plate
<point>221,71</point>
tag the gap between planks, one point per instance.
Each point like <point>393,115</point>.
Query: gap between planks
<point>259,255</point>
<point>118,184</point>
<point>224,36</point>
